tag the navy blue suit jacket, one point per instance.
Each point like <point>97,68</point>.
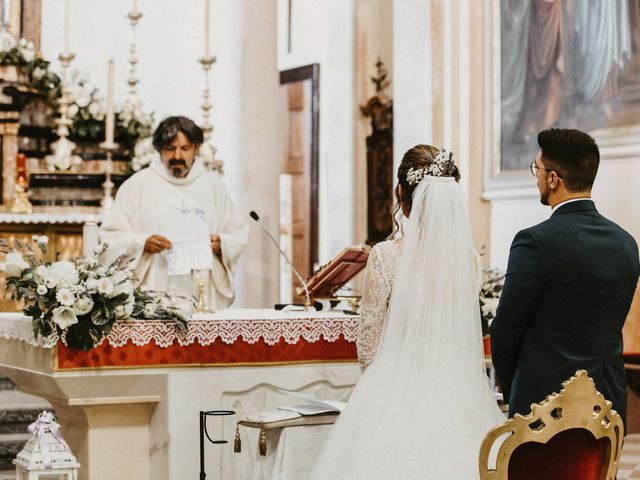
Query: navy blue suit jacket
<point>568,289</point>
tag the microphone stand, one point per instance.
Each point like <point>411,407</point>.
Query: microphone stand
<point>307,304</point>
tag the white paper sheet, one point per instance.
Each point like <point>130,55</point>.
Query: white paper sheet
<point>313,405</point>
<point>187,229</point>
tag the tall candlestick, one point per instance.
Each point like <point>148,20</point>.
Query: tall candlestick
<point>66,25</point>
<point>110,114</point>
<point>206,28</point>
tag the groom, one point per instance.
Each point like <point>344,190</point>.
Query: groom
<point>569,285</point>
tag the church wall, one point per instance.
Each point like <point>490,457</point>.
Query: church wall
<point>244,92</point>
<point>323,32</point>
<point>438,87</point>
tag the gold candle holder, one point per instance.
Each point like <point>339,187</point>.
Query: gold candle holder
<point>200,277</point>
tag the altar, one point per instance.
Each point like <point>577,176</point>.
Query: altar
<point>129,408</point>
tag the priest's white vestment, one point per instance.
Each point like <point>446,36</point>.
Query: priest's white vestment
<point>141,204</point>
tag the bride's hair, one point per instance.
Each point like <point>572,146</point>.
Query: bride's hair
<point>420,157</point>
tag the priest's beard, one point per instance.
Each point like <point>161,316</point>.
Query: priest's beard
<point>178,168</point>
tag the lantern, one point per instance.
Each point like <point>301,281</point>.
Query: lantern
<point>46,456</point>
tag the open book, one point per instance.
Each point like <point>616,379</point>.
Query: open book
<point>313,406</point>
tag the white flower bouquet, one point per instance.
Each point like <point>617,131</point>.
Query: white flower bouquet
<point>492,283</point>
<point>79,300</point>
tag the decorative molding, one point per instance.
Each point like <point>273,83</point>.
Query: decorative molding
<point>48,218</point>
<point>251,327</point>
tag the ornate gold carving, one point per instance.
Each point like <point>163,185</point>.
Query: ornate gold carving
<point>20,202</point>
<point>578,405</point>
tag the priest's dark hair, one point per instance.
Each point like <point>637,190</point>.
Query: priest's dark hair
<point>168,130</point>
<point>572,154</point>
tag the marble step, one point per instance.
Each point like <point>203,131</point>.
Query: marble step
<point>10,445</point>
<point>18,410</point>
<point>6,384</point>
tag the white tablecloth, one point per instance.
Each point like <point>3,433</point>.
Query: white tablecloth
<point>291,452</point>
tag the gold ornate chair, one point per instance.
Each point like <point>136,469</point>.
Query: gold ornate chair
<point>571,435</point>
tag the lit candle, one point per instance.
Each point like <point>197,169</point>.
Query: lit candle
<point>135,5</point>
<point>66,26</point>
<point>206,28</point>
<point>110,115</point>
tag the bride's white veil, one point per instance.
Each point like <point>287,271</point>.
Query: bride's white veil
<point>427,391</point>
<point>434,314</point>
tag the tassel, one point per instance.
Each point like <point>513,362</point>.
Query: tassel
<point>237,443</point>
<point>263,442</point>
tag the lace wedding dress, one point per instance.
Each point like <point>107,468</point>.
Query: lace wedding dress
<point>423,404</point>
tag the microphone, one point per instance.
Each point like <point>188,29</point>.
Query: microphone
<point>255,216</point>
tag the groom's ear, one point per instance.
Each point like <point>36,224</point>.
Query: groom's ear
<point>553,180</point>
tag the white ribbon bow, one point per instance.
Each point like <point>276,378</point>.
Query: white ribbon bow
<point>45,421</point>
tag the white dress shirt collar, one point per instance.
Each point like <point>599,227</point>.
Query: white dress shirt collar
<point>554,208</point>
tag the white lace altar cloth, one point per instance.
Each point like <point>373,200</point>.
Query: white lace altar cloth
<point>249,325</point>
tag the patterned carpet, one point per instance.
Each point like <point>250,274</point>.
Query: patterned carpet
<point>630,460</point>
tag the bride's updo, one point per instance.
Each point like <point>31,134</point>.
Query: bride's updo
<point>417,162</point>
<point>420,159</point>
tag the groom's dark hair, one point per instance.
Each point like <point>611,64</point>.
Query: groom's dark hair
<point>168,130</point>
<point>572,154</point>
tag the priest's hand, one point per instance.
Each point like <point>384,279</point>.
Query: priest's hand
<point>156,244</point>
<point>215,245</point>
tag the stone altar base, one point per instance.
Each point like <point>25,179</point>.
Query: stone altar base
<point>142,422</point>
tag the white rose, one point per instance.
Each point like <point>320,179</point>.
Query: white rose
<point>83,98</point>
<point>64,317</point>
<point>41,271</point>
<point>105,286</point>
<point>65,297</point>
<point>42,289</point>
<point>83,305</point>
<point>490,306</point>
<point>38,73</point>
<point>14,264</point>
<point>94,109</point>
<point>7,41</point>
<point>64,273</point>
<point>73,110</point>
<point>92,285</point>
<point>27,53</point>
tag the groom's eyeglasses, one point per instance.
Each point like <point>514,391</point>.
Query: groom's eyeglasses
<point>534,169</point>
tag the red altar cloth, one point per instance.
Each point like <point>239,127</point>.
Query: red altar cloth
<point>244,339</point>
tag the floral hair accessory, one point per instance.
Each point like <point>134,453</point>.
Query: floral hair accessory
<point>414,175</point>
<point>442,166</point>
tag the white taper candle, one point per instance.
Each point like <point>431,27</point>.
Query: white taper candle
<point>66,26</point>
<point>109,130</point>
<point>206,28</point>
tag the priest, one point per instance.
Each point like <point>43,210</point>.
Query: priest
<point>176,221</point>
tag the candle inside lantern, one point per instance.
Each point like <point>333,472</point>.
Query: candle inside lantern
<point>110,121</point>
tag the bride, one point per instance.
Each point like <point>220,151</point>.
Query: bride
<point>423,403</point>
